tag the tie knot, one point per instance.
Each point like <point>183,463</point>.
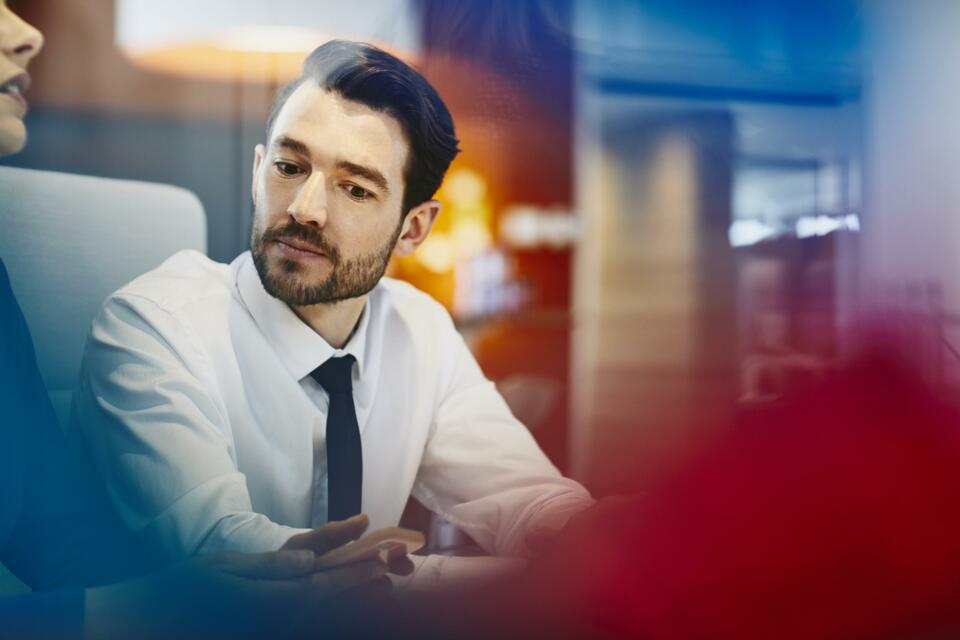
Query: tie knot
<point>335,375</point>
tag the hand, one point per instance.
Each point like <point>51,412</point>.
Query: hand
<point>338,533</point>
<point>236,595</point>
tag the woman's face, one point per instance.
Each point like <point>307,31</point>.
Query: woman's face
<point>19,42</point>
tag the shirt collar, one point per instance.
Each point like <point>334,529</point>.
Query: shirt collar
<point>299,347</point>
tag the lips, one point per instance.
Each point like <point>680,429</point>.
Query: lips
<point>14,88</point>
<point>299,245</point>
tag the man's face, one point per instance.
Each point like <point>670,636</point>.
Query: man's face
<point>328,192</point>
<point>19,43</point>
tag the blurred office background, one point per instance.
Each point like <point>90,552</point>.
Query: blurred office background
<point>664,210</point>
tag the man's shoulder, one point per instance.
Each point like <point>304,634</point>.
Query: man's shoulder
<point>405,298</point>
<point>399,302</point>
<point>413,324</point>
<point>185,279</point>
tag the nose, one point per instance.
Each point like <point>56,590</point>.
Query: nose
<point>310,205</point>
<point>19,40</point>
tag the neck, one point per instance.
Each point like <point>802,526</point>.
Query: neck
<point>333,321</point>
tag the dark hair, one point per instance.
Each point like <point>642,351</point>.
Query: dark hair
<point>363,73</point>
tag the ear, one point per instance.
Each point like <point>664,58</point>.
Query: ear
<point>258,152</point>
<point>416,227</point>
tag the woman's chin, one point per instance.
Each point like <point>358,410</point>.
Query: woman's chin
<point>13,135</point>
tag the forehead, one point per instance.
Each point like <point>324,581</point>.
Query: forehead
<point>336,129</point>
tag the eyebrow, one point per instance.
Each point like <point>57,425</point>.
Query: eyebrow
<point>291,144</point>
<point>371,174</point>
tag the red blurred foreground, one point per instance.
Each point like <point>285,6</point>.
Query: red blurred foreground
<point>835,514</point>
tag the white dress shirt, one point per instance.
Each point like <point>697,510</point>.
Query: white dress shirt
<point>197,404</point>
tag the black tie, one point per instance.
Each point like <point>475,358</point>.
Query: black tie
<point>344,450</point>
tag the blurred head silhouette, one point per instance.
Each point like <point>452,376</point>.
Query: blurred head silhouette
<point>19,43</point>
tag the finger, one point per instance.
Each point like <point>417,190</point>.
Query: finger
<point>398,562</point>
<point>339,579</point>
<point>401,566</point>
<point>330,536</point>
<point>278,565</point>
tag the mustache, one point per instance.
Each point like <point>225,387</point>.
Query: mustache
<point>294,231</point>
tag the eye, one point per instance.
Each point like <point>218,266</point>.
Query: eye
<point>357,192</point>
<point>287,169</point>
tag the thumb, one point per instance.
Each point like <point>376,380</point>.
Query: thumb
<point>330,536</point>
<point>277,565</point>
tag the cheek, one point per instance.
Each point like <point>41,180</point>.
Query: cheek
<point>386,228</point>
<point>272,202</point>
<point>372,226</point>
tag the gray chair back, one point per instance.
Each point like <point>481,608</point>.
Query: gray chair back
<point>68,241</point>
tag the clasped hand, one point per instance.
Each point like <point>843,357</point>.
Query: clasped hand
<point>241,595</point>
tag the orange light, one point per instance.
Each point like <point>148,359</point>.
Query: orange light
<point>255,40</point>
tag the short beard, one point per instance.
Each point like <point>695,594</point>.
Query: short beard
<point>348,279</point>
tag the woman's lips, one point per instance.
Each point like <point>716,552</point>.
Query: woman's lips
<point>14,88</point>
<point>17,99</point>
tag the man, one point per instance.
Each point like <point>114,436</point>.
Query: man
<point>233,406</point>
<point>57,532</point>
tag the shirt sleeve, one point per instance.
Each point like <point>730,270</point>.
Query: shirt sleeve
<point>160,438</point>
<point>482,469</point>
